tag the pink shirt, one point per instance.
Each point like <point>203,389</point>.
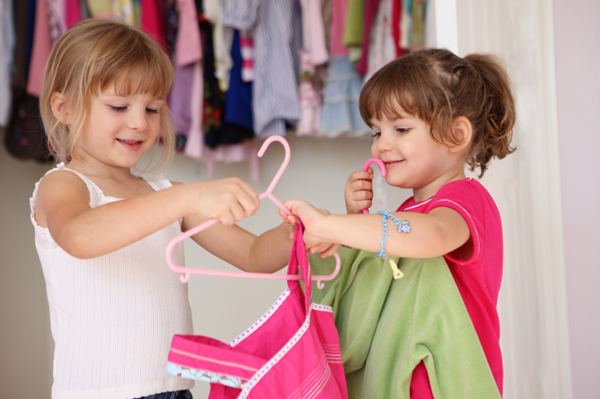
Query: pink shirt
<point>478,278</point>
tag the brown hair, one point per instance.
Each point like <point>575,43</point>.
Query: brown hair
<point>437,86</point>
<point>87,59</point>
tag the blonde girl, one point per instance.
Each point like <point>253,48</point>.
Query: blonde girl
<point>101,231</point>
<point>433,114</point>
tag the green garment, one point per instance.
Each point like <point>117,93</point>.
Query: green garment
<point>388,326</point>
<point>355,24</point>
<point>99,7</point>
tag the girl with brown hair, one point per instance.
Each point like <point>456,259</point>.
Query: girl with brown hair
<point>432,114</point>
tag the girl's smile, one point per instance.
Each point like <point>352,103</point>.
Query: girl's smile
<point>391,164</point>
<point>132,145</point>
<point>412,158</point>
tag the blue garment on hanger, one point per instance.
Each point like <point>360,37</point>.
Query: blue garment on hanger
<point>238,105</point>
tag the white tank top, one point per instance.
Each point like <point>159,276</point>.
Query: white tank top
<point>113,317</point>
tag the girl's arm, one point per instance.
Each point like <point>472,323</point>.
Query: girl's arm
<point>266,253</point>
<point>441,231</point>
<point>62,205</point>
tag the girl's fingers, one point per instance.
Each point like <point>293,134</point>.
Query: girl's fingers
<point>251,193</point>
<point>330,251</point>
<point>238,212</point>
<point>227,218</point>
<point>358,176</point>
<point>325,249</point>
<point>248,202</point>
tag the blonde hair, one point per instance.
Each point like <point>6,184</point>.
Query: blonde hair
<point>438,86</point>
<point>86,60</point>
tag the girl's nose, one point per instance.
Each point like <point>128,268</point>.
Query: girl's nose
<point>382,144</point>
<point>138,120</point>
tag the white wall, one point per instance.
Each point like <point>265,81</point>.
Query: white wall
<point>25,342</point>
<point>577,39</point>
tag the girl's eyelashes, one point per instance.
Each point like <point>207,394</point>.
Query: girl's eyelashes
<point>118,108</point>
<point>401,130</point>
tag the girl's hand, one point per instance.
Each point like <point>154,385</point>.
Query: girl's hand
<point>310,217</point>
<point>229,200</point>
<point>358,192</point>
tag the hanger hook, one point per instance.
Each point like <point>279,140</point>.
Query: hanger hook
<point>381,168</point>
<point>286,161</point>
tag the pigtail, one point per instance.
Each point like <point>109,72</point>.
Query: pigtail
<point>496,114</point>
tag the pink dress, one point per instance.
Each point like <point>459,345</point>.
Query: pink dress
<point>292,352</point>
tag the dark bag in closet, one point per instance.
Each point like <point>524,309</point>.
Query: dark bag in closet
<point>25,137</point>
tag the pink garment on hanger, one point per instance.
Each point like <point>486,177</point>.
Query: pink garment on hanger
<point>339,9</point>
<point>72,12</point>
<point>292,352</point>
<point>371,7</point>
<point>188,46</point>
<point>42,45</point>
<point>151,22</point>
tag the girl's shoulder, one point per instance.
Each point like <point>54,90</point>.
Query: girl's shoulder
<point>63,176</point>
<point>468,187</point>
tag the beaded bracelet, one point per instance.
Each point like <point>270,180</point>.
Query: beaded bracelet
<point>403,227</point>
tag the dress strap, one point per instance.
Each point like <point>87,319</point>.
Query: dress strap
<point>96,194</point>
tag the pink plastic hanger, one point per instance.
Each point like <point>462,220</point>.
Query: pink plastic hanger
<point>381,167</point>
<point>186,271</point>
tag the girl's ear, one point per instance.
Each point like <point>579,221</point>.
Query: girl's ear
<point>58,104</point>
<point>462,130</point>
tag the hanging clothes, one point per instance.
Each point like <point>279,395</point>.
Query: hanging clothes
<point>340,114</point>
<point>382,48</point>
<point>277,31</point>
<point>223,37</point>
<point>171,23</point>
<point>42,45</point>
<point>217,131</point>
<point>370,12</point>
<point>25,137</point>
<point>238,104</point>
<point>7,42</point>
<point>152,21</point>
<point>247,49</point>
<point>418,24</point>
<point>73,13</point>
<point>185,97</point>
<point>189,116</point>
<point>125,10</point>
<point>100,8</point>
<point>291,352</point>
<point>354,28</point>
<point>313,56</point>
